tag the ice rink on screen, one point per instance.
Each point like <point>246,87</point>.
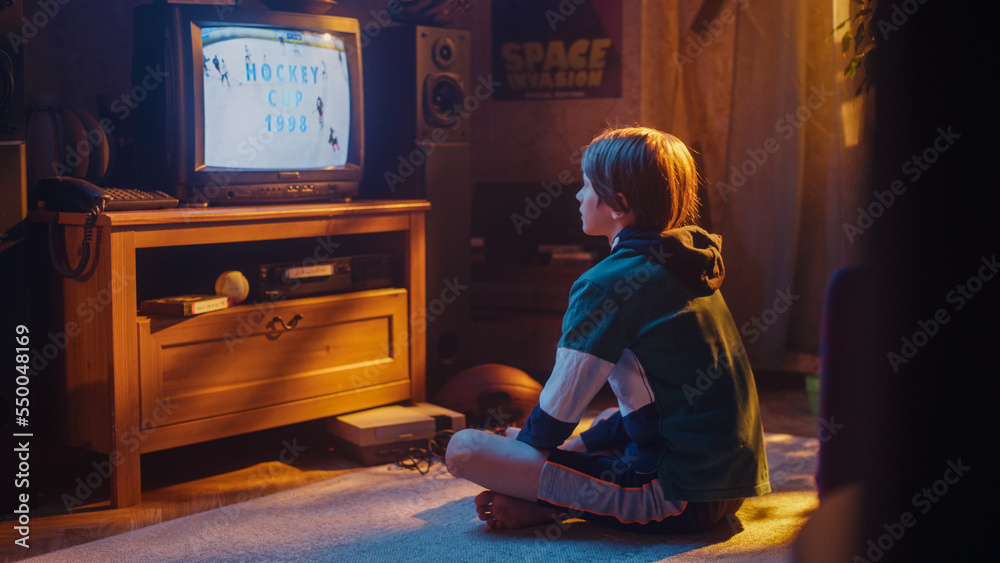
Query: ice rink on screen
<point>266,116</point>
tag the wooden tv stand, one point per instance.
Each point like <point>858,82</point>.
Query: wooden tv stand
<point>134,384</point>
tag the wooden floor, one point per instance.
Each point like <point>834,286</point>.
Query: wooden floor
<point>203,477</point>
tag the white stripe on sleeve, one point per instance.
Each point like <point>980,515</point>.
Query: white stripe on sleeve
<point>576,378</point>
<point>628,381</point>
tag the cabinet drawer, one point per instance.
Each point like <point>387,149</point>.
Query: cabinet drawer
<point>242,358</point>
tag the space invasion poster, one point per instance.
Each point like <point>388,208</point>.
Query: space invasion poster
<point>557,49</point>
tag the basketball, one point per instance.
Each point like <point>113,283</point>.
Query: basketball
<point>491,395</point>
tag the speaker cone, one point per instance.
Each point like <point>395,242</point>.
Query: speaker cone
<point>443,95</point>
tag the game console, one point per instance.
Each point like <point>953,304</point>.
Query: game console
<point>384,434</point>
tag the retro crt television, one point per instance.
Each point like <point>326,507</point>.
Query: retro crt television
<point>236,106</point>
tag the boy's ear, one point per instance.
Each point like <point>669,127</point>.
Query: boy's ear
<point>622,204</point>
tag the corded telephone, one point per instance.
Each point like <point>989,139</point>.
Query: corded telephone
<point>63,193</point>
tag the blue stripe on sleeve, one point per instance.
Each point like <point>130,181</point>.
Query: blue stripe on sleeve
<point>543,431</point>
<point>606,434</point>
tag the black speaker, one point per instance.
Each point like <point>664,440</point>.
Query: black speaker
<point>418,110</point>
<point>12,119</point>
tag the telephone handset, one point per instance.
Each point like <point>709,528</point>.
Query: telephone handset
<point>64,193</point>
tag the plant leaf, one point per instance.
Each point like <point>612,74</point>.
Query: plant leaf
<point>859,37</point>
<point>852,68</point>
<point>845,43</point>
<point>834,30</point>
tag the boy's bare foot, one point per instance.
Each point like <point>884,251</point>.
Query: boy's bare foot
<point>503,512</point>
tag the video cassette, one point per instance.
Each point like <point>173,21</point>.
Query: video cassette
<point>288,280</point>
<point>384,434</point>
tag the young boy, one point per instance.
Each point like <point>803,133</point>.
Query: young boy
<point>685,446</point>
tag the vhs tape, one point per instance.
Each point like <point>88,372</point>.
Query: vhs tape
<point>289,280</point>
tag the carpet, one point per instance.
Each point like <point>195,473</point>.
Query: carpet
<point>388,513</point>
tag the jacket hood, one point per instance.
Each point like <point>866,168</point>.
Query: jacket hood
<point>691,253</point>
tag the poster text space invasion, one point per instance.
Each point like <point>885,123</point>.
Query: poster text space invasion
<point>560,64</point>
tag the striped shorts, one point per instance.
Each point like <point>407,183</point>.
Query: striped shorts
<point>604,490</point>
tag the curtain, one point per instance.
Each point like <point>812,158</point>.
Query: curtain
<point>757,88</point>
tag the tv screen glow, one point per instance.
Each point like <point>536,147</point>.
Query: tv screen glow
<point>275,99</point>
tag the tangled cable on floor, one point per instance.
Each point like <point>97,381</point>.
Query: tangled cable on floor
<point>422,459</point>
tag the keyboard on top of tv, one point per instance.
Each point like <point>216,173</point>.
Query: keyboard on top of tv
<point>130,199</point>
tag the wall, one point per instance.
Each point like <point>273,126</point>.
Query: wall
<point>80,55</point>
<point>533,141</point>
<point>77,53</point>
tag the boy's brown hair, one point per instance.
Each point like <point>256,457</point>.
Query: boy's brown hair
<point>653,170</point>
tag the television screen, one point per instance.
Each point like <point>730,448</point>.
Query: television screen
<point>257,106</point>
<point>275,99</point>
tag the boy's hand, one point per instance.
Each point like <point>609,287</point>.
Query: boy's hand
<point>574,445</point>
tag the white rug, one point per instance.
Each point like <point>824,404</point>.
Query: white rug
<point>391,514</point>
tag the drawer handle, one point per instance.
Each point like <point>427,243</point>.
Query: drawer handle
<point>291,324</point>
